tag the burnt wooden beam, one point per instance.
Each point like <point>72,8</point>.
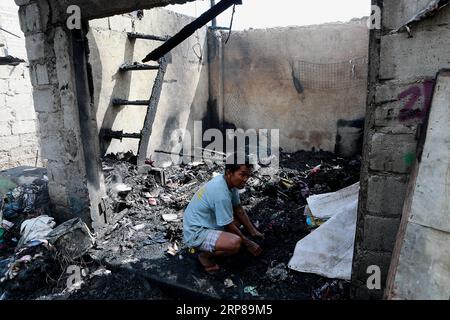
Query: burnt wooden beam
<point>10,61</point>
<point>189,30</point>
<point>111,134</point>
<point>151,111</point>
<point>121,102</point>
<point>135,35</point>
<point>137,67</point>
<point>94,9</point>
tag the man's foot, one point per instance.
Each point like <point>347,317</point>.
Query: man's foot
<point>208,263</point>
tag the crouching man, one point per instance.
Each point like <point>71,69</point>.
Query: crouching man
<point>213,218</point>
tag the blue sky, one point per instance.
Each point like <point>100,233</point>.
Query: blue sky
<point>265,14</point>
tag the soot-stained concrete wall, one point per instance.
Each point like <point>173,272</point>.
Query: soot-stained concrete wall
<point>309,82</point>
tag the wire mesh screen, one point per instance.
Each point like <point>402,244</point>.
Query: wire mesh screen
<point>236,105</point>
<point>339,75</point>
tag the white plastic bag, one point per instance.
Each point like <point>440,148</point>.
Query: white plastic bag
<point>328,250</point>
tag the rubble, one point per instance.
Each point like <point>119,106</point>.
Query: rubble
<point>31,262</point>
<point>251,290</point>
<point>146,228</point>
<point>274,198</point>
<point>72,239</point>
<point>331,290</point>
<point>277,273</point>
<point>228,283</point>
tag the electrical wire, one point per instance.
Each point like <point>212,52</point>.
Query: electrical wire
<point>231,23</point>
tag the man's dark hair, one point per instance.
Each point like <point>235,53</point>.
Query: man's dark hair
<point>237,159</point>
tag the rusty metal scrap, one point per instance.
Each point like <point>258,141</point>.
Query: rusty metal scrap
<point>430,10</point>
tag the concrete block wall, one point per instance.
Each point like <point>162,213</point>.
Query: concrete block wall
<point>75,178</point>
<point>310,82</point>
<point>401,75</point>
<point>19,143</point>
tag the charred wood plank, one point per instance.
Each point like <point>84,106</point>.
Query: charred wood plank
<point>10,61</point>
<point>189,30</point>
<point>137,67</point>
<point>151,111</point>
<point>135,35</point>
<point>111,134</point>
<point>121,102</point>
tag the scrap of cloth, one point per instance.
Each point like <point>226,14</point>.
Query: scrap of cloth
<point>211,208</point>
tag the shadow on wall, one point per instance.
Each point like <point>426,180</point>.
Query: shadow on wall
<point>198,111</point>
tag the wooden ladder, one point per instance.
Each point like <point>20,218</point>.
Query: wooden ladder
<point>152,104</point>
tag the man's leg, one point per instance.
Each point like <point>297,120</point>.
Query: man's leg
<point>251,246</point>
<point>226,244</point>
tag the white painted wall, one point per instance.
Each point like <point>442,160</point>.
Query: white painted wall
<point>18,124</point>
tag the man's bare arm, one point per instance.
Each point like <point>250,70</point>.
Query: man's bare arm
<point>251,246</point>
<point>242,217</point>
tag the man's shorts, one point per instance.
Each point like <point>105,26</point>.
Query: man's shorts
<point>209,244</point>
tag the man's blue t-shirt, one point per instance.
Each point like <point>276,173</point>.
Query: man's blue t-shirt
<point>211,208</point>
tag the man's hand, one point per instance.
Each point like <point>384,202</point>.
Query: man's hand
<point>252,247</point>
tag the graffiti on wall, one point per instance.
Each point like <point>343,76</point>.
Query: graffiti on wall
<point>413,109</point>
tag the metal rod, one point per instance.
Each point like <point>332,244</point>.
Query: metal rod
<point>184,155</point>
<point>211,151</point>
<point>15,35</point>
<point>219,28</point>
<point>214,20</point>
<point>120,135</point>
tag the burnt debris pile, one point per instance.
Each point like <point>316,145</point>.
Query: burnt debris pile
<point>144,231</point>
